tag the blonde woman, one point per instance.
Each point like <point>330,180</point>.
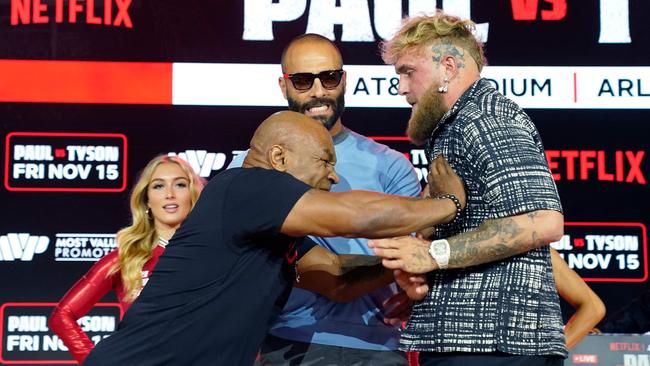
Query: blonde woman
<point>161,199</point>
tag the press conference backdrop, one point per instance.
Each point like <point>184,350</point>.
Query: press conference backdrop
<point>91,90</point>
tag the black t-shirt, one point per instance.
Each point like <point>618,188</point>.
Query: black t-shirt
<point>222,278</point>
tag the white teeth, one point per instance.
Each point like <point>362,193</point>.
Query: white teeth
<point>321,108</point>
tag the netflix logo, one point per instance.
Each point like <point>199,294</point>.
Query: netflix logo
<point>72,11</point>
<point>607,166</point>
<point>626,346</point>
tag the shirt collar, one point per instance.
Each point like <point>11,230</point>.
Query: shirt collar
<point>475,89</point>
<point>478,87</point>
<point>341,136</point>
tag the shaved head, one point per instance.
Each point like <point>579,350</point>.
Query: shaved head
<point>296,144</point>
<point>311,41</point>
<point>287,128</point>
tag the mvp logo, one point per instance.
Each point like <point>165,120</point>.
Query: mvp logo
<point>201,161</point>
<point>22,246</point>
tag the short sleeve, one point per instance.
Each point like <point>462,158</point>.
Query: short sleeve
<point>510,162</point>
<point>401,178</point>
<point>305,244</point>
<point>259,200</point>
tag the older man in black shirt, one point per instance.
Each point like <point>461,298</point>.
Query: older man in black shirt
<point>228,268</point>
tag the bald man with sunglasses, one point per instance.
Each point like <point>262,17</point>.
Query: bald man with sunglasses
<point>316,329</point>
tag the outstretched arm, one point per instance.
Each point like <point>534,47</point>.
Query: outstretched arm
<point>494,240</point>
<point>589,308</point>
<point>373,215</point>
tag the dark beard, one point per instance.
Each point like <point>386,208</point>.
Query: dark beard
<point>425,117</point>
<point>337,106</point>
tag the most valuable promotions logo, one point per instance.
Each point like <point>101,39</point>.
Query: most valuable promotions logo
<point>22,246</point>
<point>83,247</point>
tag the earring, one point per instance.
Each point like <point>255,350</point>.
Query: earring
<point>445,87</point>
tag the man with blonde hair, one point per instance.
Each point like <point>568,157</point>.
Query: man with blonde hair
<point>492,298</point>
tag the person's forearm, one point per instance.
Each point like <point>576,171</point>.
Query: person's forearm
<point>363,214</point>
<point>345,278</point>
<point>492,241</point>
<point>502,238</point>
<point>589,307</point>
<point>63,323</point>
<point>582,322</point>
<point>361,274</point>
<point>381,216</point>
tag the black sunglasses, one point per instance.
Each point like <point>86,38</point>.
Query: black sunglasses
<point>302,81</point>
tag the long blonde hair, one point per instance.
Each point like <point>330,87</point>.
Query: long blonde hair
<point>137,241</point>
<point>424,30</point>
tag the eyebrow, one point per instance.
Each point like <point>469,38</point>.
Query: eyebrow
<point>175,178</point>
<point>328,154</point>
<point>402,68</point>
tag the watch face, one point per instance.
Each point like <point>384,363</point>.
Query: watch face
<point>439,248</point>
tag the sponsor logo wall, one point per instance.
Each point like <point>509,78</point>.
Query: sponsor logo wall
<point>91,91</point>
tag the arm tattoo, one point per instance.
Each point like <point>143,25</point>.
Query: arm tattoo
<point>492,241</point>
<point>448,48</point>
<point>421,259</point>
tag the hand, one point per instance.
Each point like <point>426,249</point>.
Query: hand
<point>414,285</point>
<point>443,180</point>
<point>406,253</point>
<point>397,308</point>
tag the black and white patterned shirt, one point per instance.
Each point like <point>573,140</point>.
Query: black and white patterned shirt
<point>509,305</point>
